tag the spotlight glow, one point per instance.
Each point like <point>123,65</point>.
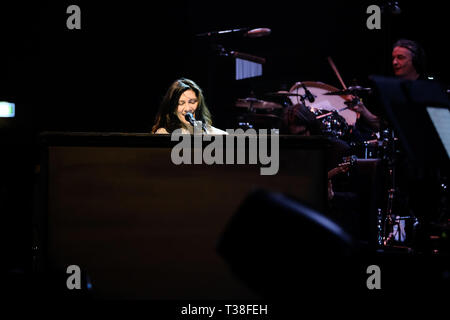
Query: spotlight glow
<point>7,109</point>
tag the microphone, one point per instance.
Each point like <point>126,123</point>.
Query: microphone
<point>189,117</point>
<point>258,32</point>
<point>308,94</point>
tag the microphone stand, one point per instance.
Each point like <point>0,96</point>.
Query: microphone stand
<point>216,33</point>
<point>308,94</point>
<point>199,127</point>
<point>204,128</point>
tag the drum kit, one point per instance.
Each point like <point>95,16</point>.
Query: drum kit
<point>331,107</point>
<point>326,103</point>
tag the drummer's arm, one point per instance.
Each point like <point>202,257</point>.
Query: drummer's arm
<point>368,116</point>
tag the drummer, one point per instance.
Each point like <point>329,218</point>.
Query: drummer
<point>408,63</point>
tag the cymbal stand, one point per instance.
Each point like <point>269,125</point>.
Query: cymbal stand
<point>390,224</point>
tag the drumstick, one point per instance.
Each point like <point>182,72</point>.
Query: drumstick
<point>324,115</point>
<point>337,72</point>
<point>331,112</point>
<point>340,80</point>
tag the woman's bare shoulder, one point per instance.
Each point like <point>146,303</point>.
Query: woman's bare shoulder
<point>161,131</point>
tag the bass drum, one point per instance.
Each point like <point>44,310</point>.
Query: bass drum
<point>322,101</point>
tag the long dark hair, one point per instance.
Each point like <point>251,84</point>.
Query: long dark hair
<point>166,116</point>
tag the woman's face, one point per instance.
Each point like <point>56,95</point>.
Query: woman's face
<point>188,102</point>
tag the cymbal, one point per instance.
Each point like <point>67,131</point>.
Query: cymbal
<point>252,103</point>
<point>350,90</point>
<point>260,116</point>
<point>282,94</point>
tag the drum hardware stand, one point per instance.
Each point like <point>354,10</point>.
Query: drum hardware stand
<point>380,229</point>
<point>367,143</point>
<point>388,222</point>
<point>302,99</point>
<point>443,208</point>
<point>391,227</point>
<point>251,109</point>
<point>251,100</point>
